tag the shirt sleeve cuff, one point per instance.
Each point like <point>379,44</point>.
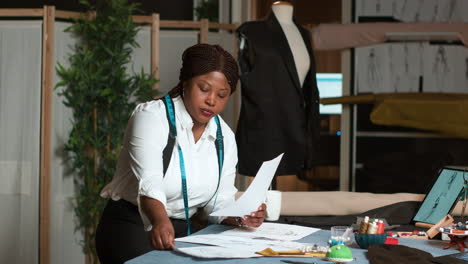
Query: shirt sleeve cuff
<point>148,189</point>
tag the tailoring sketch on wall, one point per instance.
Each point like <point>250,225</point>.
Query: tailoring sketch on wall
<point>451,7</point>
<point>438,69</point>
<point>410,11</point>
<point>459,13</point>
<point>430,10</point>
<point>374,8</point>
<point>461,69</point>
<point>377,6</point>
<point>466,69</point>
<point>445,69</point>
<point>398,7</point>
<point>405,66</point>
<point>372,67</point>
<point>374,76</point>
<point>395,72</point>
<point>452,11</point>
<point>436,12</point>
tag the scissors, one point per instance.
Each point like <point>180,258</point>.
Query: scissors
<point>297,262</point>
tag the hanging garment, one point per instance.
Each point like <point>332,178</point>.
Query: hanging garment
<point>277,113</point>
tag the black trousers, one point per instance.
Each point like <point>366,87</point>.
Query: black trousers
<point>120,235</point>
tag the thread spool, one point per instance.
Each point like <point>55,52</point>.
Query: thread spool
<point>364,225</point>
<point>372,229</point>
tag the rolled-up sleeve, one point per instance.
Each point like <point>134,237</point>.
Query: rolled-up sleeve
<point>147,139</point>
<point>227,190</point>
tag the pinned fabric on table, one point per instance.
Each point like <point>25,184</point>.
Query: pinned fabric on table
<point>384,254</point>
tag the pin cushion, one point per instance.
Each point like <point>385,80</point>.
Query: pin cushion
<point>339,253</point>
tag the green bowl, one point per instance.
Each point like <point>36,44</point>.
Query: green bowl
<point>365,240</point>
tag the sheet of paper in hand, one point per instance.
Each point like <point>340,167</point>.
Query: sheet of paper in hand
<point>255,194</point>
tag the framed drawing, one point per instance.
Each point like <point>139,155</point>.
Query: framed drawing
<point>443,195</point>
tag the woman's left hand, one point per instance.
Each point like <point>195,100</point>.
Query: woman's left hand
<point>255,219</point>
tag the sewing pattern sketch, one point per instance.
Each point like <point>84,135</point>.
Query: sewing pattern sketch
<point>450,182</point>
<point>406,57</point>
<point>374,77</point>
<point>451,10</point>
<point>447,188</point>
<point>403,7</point>
<point>466,69</point>
<point>440,68</point>
<point>428,10</point>
<point>442,197</point>
<point>435,13</point>
<point>272,231</point>
<point>393,71</point>
<point>394,8</point>
<point>239,242</point>
<point>434,207</point>
<point>417,14</point>
<point>217,252</point>
<point>377,6</point>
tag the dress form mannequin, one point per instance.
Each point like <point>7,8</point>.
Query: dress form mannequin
<point>280,100</point>
<point>283,11</point>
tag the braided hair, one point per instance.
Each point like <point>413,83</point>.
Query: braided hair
<point>200,59</point>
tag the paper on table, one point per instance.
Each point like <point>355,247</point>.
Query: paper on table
<point>255,194</point>
<point>217,252</point>
<point>272,231</point>
<point>236,243</point>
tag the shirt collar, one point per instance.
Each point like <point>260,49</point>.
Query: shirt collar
<point>186,120</point>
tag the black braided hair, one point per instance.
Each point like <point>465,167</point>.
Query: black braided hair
<point>200,59</point>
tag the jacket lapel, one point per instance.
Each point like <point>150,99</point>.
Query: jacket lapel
<point>281,44</point>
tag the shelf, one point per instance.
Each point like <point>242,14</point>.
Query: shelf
<point>366,34</point>
<point>399,134</point>
<point>423,36</point>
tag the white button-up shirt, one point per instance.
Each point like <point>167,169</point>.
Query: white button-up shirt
<point>140,165</point>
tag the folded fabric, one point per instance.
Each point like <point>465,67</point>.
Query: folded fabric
<point>443,115</point>
<point>384,254</point>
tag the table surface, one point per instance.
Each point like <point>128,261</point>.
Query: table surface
<point>321,237</point>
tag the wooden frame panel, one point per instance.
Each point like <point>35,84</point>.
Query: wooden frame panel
<point>48,33</point>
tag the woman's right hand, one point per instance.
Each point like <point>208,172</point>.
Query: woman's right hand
<point>162,235</point>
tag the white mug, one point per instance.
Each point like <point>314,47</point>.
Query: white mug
<point>273,203</point>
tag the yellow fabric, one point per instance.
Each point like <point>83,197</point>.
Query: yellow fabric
<point>435,112</point>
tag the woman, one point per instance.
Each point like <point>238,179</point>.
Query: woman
<point>157,188</point>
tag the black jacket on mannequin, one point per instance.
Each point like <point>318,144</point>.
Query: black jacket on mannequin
<point>277,114</point>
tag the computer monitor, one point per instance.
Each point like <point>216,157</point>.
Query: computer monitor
<point>330,85</point>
